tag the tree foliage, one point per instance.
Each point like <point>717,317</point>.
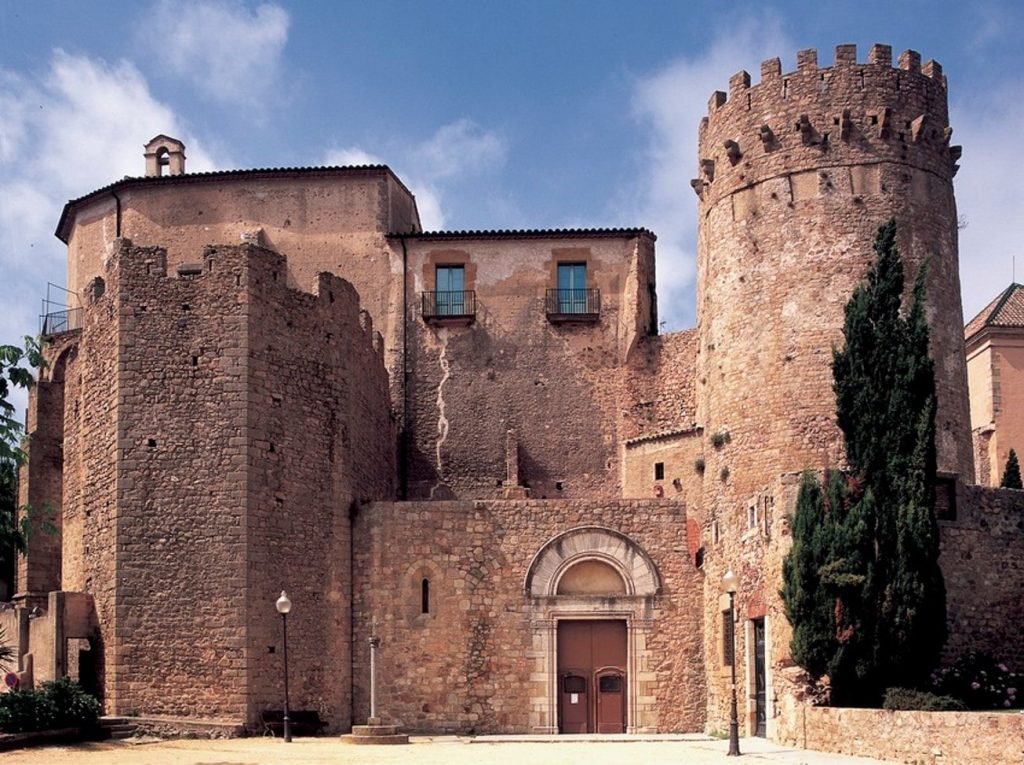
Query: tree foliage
<point>16,366</point>
<point>823,570</point>
<point>862,585</point>
<point>1011,474</point>
<point>15,372</point>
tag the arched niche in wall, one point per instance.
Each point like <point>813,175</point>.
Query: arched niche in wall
<point>585,561</point>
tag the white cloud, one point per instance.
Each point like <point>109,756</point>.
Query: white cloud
<point>351,157</point>
<point>671,103</point>
<point>989,189</point>
<point>460,148</point>
<point>453,154</point>
<point>229,53</point>
<point>430,207</point>
<point>92,121</point>
<point>80,127</point>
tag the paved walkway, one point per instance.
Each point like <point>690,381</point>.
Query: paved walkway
<point>448,750</point>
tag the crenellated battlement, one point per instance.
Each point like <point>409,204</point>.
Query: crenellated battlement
<point>795,175</point>
<point>844,114</point>
<point>222,282</point>
<point>844,66</point>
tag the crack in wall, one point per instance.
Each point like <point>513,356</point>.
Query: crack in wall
<point>442,420</point>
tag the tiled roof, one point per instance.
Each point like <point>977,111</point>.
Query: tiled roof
<point>532,233</point>
<point>1007,310</point>
<point>256,173</point>
<point>664,434</point>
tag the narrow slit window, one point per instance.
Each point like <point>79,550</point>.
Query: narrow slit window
<point>425,596</point>
<point>659,471</point>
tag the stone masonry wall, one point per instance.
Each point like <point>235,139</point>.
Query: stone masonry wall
<point>325,219</point>
<point>41,484</point>
<point>983,564</point>
<point>751,540</point>
<point>89,368</point>
<point>239,445</point>
<point>180,538</point>
<point>659,394</point>
<point>796,175</point>
<point>658,411</point>
<point>980,557</point>
<point>916,738</point>
<point>679,455</point>
<point>320,436</point>
<point>470,664</point>
<point>511,368</point>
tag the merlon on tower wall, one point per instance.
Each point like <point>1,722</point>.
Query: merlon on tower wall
<point>796,175</point>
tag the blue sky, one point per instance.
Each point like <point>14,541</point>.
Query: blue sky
<point>515,114</point>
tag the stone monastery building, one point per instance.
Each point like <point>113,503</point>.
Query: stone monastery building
<point>476,443</point>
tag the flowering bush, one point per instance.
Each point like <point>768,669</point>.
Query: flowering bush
<point>981,682</point>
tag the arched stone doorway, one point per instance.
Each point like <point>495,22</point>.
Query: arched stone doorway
<point>592,593</point>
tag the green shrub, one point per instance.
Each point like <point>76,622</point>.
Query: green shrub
<point>909,699</point>
<point>57,704</point>
<point>75,708</point>
<point>982,682</point>
<point>24,711</point>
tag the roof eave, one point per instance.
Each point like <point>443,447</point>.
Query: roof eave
<point>554,233</point>
<point>63,230</point>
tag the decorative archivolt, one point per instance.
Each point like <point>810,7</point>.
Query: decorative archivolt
<point>595,543</point>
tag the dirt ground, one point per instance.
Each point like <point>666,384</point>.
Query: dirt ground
<point>422,751</point>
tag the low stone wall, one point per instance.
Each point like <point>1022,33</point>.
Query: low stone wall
<point>180,727</point>
<point>917,738</point>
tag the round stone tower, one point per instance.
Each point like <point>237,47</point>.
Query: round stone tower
<point>796,175</point>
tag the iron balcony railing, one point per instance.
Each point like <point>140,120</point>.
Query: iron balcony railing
<point>574,304</point>
<point>60,321</point>
<point>460,304</point>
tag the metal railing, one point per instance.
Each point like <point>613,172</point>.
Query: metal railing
<point>459,304</point>
<point>573,304</point>
<point>57,322</point>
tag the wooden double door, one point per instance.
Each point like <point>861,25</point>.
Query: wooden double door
<point>592,689</point>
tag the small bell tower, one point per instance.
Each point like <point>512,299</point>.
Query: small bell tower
<point>164,156</point>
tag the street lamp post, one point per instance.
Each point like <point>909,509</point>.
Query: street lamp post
<point>730,584</point>
<point>284,605</point>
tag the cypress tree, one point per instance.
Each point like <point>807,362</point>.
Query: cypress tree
<point>879,563</point>
<point>823,579</point>
<point>808,607</point>
<point>1011,474</point>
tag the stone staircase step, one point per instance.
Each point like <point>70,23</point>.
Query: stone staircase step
<point>396,738</point>
<point>375,734</point>
<point>117,728</point>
